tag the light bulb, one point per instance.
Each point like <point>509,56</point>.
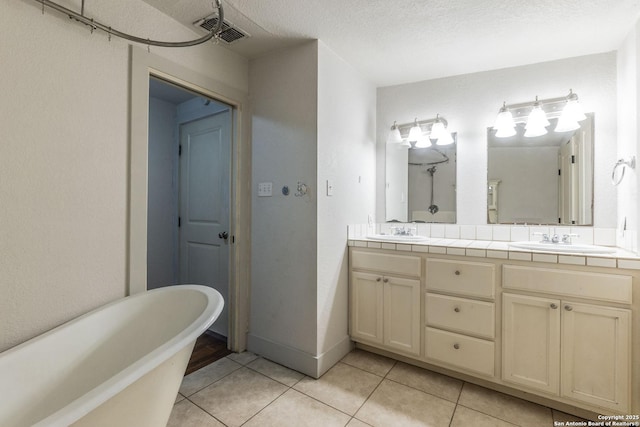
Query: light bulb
<point>536,122</point>
<point>506,132</point>
<point>394,136</point>
<point>504,118</point>
<point>416,132</point>
<point>573,111</point>
<point>423,142</point>
<point>533,131</point>
<point>565,125</point>
<point>504,125</point>
<point>445,138</point>
<point>437,129</point>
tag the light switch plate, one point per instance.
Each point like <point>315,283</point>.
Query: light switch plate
<point>329,187</point>
<point>265,189</point>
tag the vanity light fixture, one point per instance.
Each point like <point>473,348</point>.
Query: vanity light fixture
<point>536,116</point>
<point>421,134</point>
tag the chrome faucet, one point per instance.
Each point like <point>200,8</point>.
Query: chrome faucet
<point>566,238</point>
<point>545,237</point>
<point>402,231</point>
<point>555,238</point>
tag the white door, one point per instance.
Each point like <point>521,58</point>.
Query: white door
<point>595,355</point>
<point>402,314</point>
<point>204,206</point>
<point>568,192</point>
<point>531,342</point>
<point>366,307</point>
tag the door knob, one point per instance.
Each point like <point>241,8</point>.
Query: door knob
<point>224,235</point>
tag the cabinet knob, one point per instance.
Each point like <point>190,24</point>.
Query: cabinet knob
<point>568,307</point>
<point>457,273</point>
<point>456,346</point>
<point>385,280</point>
<point>554,306</point>
<point>457,309</point>
<point>378,279</point>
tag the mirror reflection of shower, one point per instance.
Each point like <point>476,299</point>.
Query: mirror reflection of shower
<point>427,185</point>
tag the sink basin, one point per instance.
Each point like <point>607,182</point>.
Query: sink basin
<point>563,247</point>
<point>395,238</point>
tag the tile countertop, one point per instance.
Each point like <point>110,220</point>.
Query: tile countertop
<point>501,250</point>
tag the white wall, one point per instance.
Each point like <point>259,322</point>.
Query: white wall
<point>283,93</point>
<point>313,121</point>
<point>533,168</point>
<point>162,197</point>
<point>64,128</point>
<point>470,103</point>
<point>346,158</point>
<point>628,143</point>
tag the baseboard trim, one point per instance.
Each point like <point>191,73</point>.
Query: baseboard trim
<point>301,361</point>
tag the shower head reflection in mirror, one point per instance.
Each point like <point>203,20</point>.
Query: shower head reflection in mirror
<point>421,183</point>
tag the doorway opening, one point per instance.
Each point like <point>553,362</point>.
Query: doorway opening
<point>189,206</point>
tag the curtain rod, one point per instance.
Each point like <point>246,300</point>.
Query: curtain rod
<point>95,25</point>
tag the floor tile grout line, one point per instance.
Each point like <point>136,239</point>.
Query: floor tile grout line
<point>423,391</point>
<point>495,416</point>
<point>489,415</point>
<point>374,390</point>
<point>266,406</point>
<point>205,411</point>
<point>210,384</point>
<point>320,401</point>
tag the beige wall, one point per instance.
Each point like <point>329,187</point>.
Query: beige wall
<point>64,141</point>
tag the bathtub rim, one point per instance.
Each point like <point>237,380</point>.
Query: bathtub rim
<point>83,405</point>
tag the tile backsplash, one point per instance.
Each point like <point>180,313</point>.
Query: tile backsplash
<point>503,233</point>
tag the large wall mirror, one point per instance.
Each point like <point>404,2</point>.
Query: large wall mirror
<point>545,179</point>
<point>421,183</point>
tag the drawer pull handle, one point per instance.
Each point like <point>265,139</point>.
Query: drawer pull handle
<point>457,309</point>
<point>554,306</point>
<point>456,346</point>
<point>385,280</point>
<point>378,279</point>
<point>568,307</point>
<point>457,273</point>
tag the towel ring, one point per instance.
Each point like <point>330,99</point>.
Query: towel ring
<point>624,163</point>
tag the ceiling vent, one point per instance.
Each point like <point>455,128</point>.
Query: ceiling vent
<point>229,34</point>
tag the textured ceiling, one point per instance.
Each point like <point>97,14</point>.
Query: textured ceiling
<point>400,41</point>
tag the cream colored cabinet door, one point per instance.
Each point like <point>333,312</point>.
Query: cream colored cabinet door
<point>402,314</point>
<point>596,345</point>
<point>366,307</point>
<point>531,342</point>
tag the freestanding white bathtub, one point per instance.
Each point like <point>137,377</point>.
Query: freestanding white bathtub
<point>119,365</point>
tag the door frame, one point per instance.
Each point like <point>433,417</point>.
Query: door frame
<point>143,66</point>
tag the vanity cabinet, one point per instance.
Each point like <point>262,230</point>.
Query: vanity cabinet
<point>566,348</point>
<point>385,307</point>
<point>562,333</point>
<point>460,325</point>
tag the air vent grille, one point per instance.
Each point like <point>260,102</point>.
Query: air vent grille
<point>229,33</point>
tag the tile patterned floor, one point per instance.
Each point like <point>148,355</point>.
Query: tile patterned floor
<point>363,389</point>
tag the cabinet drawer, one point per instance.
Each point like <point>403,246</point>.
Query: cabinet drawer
<point>461,315</point>
<point>460,277</point>
<point>386,263</point>
<point>581,284</point>
<point>465,352</point>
